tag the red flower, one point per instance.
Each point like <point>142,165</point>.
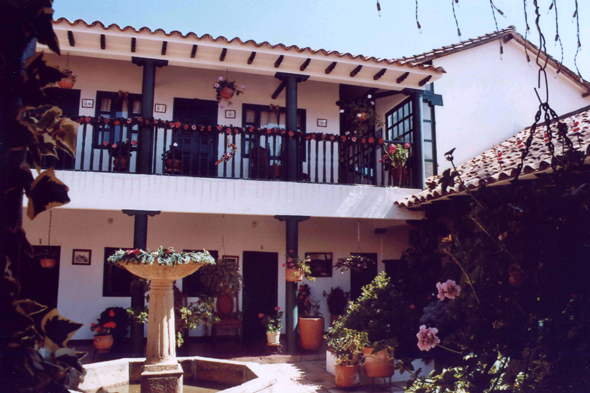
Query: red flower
<point>134,143</point>
<point>105,143</point>
<point>268,130</point>
<point>111,313</point>
<point>407,145</point>
<point>88,120</point>
<point>331,137</point>
<point>291,133</point>
<point>284,264</point>
<point>92,324</point>
<point>312,136</point>
<point>392,148</point>
<point>363,140</point>
<point>371,140</point>
<point>117,122</point>
<point>381,141</point>
<point>277,308</point>
<point>260,315</point>
<point>354,138</point>
<point>343,138</point>
<point>412,307</point>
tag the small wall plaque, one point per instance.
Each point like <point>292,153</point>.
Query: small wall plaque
<point>87,103</point>
<point>160,108</point>
<point>230,114</point>
<point>322,122</point>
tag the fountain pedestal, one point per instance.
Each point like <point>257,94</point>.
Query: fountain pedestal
<point>161,371</point>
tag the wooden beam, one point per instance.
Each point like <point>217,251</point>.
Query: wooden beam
<point>164,47</point>
<point>330,68</point>
<point>379,74</point>
<point>425,80</point>
<point>251,58</point>
<point>223,53</point>
<point>279,90</point>
<point>103,43</point>
<point>386,94</point>
<point>71,39</point>
<point>586,94</point>
<point>508,38</point>
<point>304,65</point>
<point>133,44</point>
<point>355,71</point>
<point>194,51</point>
<point>279,61</point>
<point>403,77</point>
<point>371,91</point>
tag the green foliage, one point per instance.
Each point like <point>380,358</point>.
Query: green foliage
<point>272,323</point>
<point>358,113</point>
<point>355,263</point>
<point>301,266</point>
<point>337,300</point>
<point>347,346</point>
<point>164,256</point>
<point>307,306</point>
<point>220,278</point>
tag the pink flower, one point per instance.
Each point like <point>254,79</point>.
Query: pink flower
<point>442,291</point>
<point>243,87</point>
<point>392,148</point>
<point>216,85</point>
<point>284,264</point>
<point>427,338</point>
<point>260,315</point>
<point>277,308</point>
<point>407,145</point>
<point>105,143</point>
<point>114,146</point>
<point>220,78</point>
<point>448,289</point>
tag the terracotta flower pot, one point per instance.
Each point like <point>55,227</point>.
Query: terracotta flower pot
<point>121,164</point>
<point>273,338</point>
<point>311,331</point>
<point>347,376</point>
<point>103,342</point>
<point>362,116</point>
<point>169,168</point>
<point>47,263</point>
<point>378,365</point>
<point>66,83</point>
<point>226,93</point>
<point>290,275</point>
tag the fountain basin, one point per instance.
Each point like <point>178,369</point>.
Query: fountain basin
<point>243,377</point>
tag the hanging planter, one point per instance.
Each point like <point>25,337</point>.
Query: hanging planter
<point>226,89</point>
<point>362,116</point>
<point>355,263</point>
<point>226,93</point>
<point>47,258</point>
<point>47,263</point>
<point>297,268</point>
<point>70,79</point>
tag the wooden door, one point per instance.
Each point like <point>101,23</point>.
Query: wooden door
<point>40,283</point>
<point>359,279</point>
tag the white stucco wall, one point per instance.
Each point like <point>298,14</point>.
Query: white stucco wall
<point>80,287</point>
<point>488,99</point>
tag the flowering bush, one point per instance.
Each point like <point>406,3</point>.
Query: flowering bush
<point>113,320</point>
<point>396,155</point>
<point>272,322</point>
<point>307,306</point>
<point>301,266</point>
<point>223,83</point>
<point>353,262</point>
<point>347,346</point>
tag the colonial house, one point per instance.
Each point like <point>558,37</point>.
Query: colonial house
<point>289,164</point>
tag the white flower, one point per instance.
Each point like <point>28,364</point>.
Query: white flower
<point>341,110</point>
<point>220,78</point>
<point>216,85</point>
<point>369,96</point>
<point>175,144</point>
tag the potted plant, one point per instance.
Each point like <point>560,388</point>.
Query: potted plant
<point>311,321</point>
<point>112,326</point>
<point>359,112</point>
<point>394,160</point>
<point>337,301</point>
<point>172,159</point>
<point>297,268</point>
<point>355,263</point>
<point>273,324</point>
<point>47,258</point>
<point>347,346</point>
<point>220,278</point>
<point>226,89</point>
<point>68,81</point>
<point>121,153</point>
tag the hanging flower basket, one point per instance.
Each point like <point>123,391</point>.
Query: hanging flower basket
<point>47,263</point>
<point>226,89</point>
<point>355,263</point>
<point>226,93</point>
<point>297,268</point>
<point>293,275</point>
<point>69,81</point>
<point>362,116</point>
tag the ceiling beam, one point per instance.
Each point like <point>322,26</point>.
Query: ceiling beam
<point>386,94</point>
<point>194,51</point>
<point>379,74</point>
<point>403,77</point>
<point>508,38</point>
<point>71,39</point>
<point>103,42</point>
<point>279,90</point>
<point>251,58</point>
<point>586,94</point>
<point>425,80</point>
<point>305,64</point>
<point>330,68</point>
<point>164,47</point>
<point>279,61</point>
<point>355,71</point>
<point>371,91</point>
<point>223,53</point>
<point>133,44</point>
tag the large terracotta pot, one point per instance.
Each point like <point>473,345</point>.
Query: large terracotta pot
<point>103,342</point>
<point>311,331</point>
<point>66,83</point>
<point>169,168</point>
<point>273,338</point>
<point>121,164</point>
<point>47,263</point>
<point>378,365</point>
<point>226,93</point>
<point>290,275</point>
<point>347,376</point>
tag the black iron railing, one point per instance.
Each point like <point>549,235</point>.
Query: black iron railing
<point>179,149</point>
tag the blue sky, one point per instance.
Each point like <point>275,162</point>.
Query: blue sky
<point>345,25</point>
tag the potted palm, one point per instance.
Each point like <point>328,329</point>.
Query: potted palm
<point>273,324</point>
<point>337,301</point>
<point>111,327</point>
<point>311,321</point>
<point>297,268</point>
<point>172,159</point>
<point>347,346</point>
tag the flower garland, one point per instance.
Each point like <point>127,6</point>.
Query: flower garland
<point>353,262</point>
<point>228,155</point>
<point>164,256</point>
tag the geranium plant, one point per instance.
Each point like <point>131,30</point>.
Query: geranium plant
<point>121,148</point>
<point>225,89</point>
<point>113,320</point>
<point>272,322</point>
<point>353,262</point>
<point>163,256</point>
<point>307,306</point>
<point>396,155</point>
<point>300,266</point>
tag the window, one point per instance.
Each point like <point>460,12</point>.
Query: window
<point>111,106</point>
<point>191,285</point>
<point>116,280</point>
<point>260,116</point>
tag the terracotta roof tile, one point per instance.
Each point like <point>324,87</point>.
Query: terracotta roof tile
<point>488,168</point>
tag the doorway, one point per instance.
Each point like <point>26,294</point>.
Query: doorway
<point>40,283</point>
<point>260,293</point>
<point>359,279</point>
<point>199,149</point>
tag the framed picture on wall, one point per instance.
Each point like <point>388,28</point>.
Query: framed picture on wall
<point>322,122</point>
<point>320,264</point>
<point>81,257</point>
<point>233,260</point>
<point>230,114</point>
<point>87,103</point>
<point>160,108</point>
